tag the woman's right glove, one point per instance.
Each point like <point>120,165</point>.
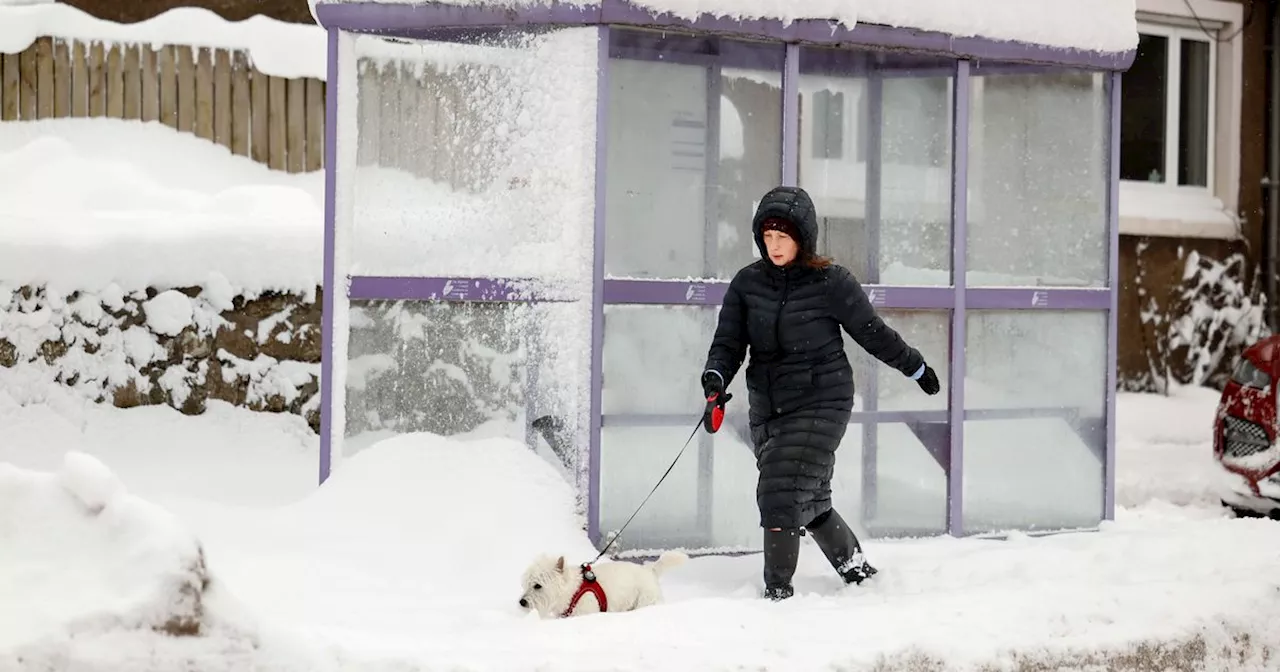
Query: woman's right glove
<point>712,384</point>
<point>713,391</point>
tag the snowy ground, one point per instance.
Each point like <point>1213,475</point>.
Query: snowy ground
<point>409,559</point>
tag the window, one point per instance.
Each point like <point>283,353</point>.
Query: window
<point>1167,133</point>
<point>828,124</point>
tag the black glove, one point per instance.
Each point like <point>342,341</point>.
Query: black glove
<point>712,384</point>
<point>929,381</point>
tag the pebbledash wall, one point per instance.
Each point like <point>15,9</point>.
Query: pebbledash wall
<point>616,153</point>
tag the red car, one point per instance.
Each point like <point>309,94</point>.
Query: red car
<point>1244,433</point>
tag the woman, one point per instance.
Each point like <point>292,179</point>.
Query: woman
<point>788,308</point>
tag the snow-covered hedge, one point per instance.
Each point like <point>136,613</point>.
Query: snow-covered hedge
<point>1203,326</point>
<point>413,367</point>
<point>179,347</point>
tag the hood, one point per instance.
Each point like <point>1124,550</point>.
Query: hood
<point>794,205</point>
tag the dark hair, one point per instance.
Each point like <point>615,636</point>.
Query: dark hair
<point>815,261</point>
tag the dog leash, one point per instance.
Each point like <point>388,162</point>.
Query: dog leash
<point>710,420</point>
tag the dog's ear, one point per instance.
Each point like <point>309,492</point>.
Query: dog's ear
<point>560,565</point>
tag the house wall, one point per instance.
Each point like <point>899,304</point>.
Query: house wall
<point>1152,266</point>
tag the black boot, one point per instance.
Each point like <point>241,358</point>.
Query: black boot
<point>781,551</point>
<point>840,545</point>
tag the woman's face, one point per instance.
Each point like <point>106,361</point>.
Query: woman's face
<point>782,248</point>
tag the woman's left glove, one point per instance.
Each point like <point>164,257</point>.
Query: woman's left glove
<point>712,384</point>
<point>928,381</point>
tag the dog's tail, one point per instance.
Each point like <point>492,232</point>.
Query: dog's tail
<point>666,561</point>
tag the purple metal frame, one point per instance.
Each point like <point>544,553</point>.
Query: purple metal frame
<point>959,269</point>
<point>791,116</point>
<point>871,217</point>
<point>418,20</point>
<point>597,286</point>
<point>948,446</point>
<point>330,229</point>
<point>1113,277</point>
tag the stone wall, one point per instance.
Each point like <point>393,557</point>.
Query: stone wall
<point>179,347</point>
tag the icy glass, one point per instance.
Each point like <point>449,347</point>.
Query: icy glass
<point>468,370</point>
<point>709,501</point>
<point>475,159</point>
<point>875,155</point>
<point>653,358</point>
<point>890,471</point>
<point>1037,178</point>
<point>1034,433</point>
<point>694,137</point>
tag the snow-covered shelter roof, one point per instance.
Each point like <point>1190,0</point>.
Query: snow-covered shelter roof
<point>1096,27</point>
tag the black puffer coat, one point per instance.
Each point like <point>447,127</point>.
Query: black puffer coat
<point>799,381</point>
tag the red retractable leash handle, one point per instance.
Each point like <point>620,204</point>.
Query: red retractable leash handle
<point>713,417</point>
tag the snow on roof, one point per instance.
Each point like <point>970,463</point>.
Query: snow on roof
<point>1096,25</point>
<point>276,47</point>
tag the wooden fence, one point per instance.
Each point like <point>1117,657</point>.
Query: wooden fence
<point>216,94</point>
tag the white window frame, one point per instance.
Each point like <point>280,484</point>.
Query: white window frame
<point>1170,209</point>
<point>1173,93</point>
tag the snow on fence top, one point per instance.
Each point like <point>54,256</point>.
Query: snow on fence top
<point>276,47</point>
<point>1097,25</point>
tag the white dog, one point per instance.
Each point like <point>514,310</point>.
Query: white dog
<point>557,591</point>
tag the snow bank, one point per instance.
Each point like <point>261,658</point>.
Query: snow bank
<point>409,557</point>
<point>445,499</point>
<point>78,553</point>
<point>150,266</point>
<point>93,202</point>
<point>1164,448</point>
<point>275,47</point>
<point>1101,25</point>
<point>228,454</point>
<point>421,534</point>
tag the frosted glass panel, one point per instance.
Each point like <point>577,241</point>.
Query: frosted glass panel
<point>1034,434</point>
<point>695,138</point>
<point>928,331</point>
<point>1037,179</point>
<point>896,463</point>
<point>875,154</point>
<point>466,166</point>
<point>653,357</point>
<point>469,370</point>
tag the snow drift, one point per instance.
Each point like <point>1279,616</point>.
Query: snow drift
<point>172,272</point>
<point>150,207</point>
<point>79,554</point>
<point>460,513</point>
<point>409,558</point>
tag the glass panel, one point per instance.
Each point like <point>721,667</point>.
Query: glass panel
<point>890,471</point>
<point>1142,111</point>
<point>653,358</point>
<point>875,154</point>
<point>709,499</point>
<point>1043,471</point>
<point>1193,114</point>
<point>695,139</point>
<point>469,370</point>
<point>1037,178</point>
<point>466,167</point>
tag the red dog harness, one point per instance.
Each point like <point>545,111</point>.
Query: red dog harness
<point>589,585</point>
